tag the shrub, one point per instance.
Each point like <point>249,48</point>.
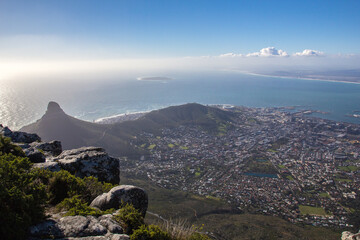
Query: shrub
<point>198,236</point>
<point>63,185</point>
<point>151,232</point>
<point>181,230</point>
<point>7,147</point>
<point>93,188</point>
<point>76,206</point>
<point>22,197</point>
<point>129,218</point>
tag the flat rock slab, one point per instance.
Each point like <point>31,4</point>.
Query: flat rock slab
<point>79,227</point>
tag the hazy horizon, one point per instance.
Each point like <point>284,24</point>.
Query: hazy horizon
<point>91,39</point>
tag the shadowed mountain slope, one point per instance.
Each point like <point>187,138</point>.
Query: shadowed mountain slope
<point>72,132</point>
<point>116,138</point>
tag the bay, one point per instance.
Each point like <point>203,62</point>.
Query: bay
<point>22,102</point>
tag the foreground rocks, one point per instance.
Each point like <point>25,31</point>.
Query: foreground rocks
<point>84,162</point>
<point>79,227</point>
<point>19,137</point>
<point>90,227</point>
<point>350,236</point>
<point>120,195</point>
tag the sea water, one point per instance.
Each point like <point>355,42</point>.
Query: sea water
<point>23,102</point>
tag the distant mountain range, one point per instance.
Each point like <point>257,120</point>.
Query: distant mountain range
<point>118,138</point>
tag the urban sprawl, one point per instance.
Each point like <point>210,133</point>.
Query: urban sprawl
<point>269,161</point>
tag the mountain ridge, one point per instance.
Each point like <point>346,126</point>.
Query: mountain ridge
<point>116,138</point>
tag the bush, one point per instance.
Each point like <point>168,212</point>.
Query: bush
<point>7,147</point>
<point>93,188</point>
<point>76,206</point>
<point>181,230</point>
<point>198,236</point>
<point>25,191</point>
<point>129,218</point>
<point>22,197</point>
<point>151,232</point>
<point>63,185</point>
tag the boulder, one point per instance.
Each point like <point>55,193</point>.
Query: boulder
<point>78,227</point>
<point>122,194</point>
<point>34,155</point>
<point>52,166</point>
<point>350,236</point>
<point>50,149</point>
<point>90,161</point>
<point>19,137</point>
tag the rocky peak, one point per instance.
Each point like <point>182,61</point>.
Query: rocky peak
<point>54,107</point>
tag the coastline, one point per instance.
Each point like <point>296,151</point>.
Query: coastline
<point>120,117</point>
<point>300,78</point>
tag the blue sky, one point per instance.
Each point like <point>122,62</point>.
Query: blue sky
<point>169,28</point>
<point>38,35</point>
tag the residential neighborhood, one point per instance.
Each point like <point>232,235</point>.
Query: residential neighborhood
<point>268,160</point>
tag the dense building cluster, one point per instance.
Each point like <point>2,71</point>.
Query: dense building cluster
<point>266,160</point>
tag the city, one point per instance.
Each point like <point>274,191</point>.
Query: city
<point>269,161</point>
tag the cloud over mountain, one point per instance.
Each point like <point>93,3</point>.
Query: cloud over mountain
<point>309,52</point>
<point>268,52</point>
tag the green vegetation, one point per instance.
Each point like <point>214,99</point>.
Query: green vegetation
<point>324,195</point>
<point>184,148</point>
<point>170,145</point>
<point>290,177</point>
<point>151,147</point>
<point>151,232</point>
<point>25,192</point>
<point>76,206</point>
<point>281,166</point>
<point>129,218</point>
<point>281,141</point>
<point>22,197</point>
<point>348,168</point>
<point>220,218</point>
<point>254,166</point>
<point>7,147</point>
<point>343,180</point>
<point>312,210</point>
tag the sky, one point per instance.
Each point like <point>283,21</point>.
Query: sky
<point>55,36</point>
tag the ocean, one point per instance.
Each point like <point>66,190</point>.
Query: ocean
<point>23,102</point>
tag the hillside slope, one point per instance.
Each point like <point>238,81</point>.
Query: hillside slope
<point>116,138</point>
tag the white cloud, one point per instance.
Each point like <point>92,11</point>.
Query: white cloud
<point>309,52</point>
<point>268,52</point>
<point>231,55</point>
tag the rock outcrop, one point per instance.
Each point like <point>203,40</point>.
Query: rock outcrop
<point>90,161</point>
<point>84,162</point>
<point>50,149</point>
<point>122,194</point>
<point>350,236</point>
<point>79,227</point>
<point>19,137</point>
